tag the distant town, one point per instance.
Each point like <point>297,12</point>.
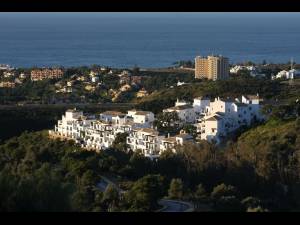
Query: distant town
<point>104,84</point>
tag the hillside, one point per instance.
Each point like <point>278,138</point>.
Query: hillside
<point>234,87</point>
<point>273,149</point>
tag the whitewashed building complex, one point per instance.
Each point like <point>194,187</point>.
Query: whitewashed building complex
<point>99,133</point>
<point>289,75</point>
<point>213,118</point>
<point>220,117</point>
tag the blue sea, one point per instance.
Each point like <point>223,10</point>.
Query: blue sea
<point>145,39</point>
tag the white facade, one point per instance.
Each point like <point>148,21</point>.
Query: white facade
<point>213,128</point>
<point>8,74</point>
<point>200,104</point>
<point>185,111</point>
<point>145,139</point>
<point>99,134</point>
<point>181,102</point>
<point>180,83</point>
<point>141,117</point>
<point>113,117</point>
<point>254,72</point>
<point>223,116</point>
<point>291,74</point>
<point>22,76</point>
<point>95,79</point>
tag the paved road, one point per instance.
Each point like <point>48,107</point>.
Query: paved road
<point>104,183</point>
<point>167,205</point>
<point>175,206</point>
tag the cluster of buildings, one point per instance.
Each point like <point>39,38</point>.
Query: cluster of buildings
<point>6,67</point>
<point>47,73</point>
<point>99,132</point>
<point>213,119</point>
<point>9,77</point>
<point>253,70</point>
<point>127,78</point>
<point>211,67</point>
<point>289,75</point>
<point>7,84</point>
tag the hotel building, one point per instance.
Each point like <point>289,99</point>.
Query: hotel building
<point>212,67</point>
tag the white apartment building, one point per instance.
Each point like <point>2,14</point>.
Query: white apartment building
<point>141,117</point>
<point>145,139</point>
<point>254,71</point>
<point>99,134</point>
<point>213,128</point>
<point>237,68</point>
<point>95,79</point>
<point>291,74</point>
<point>200,105</point>
<point>72,125</point>
<point>185,111</point>
<point>223,116</point>
<point>171,142</point>
<point>113,117</point>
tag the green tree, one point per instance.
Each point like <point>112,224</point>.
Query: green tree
<point>200,193</point>
<point>89,178</point>
<point>228,203</point>
<point>167,122</point>
<point>223,190</point>
<point>81,200</point>
<point>120,142</point>
<point>250,202</point>
<point>257,209</point>
<point>190,129</point>
<point>145,193</point>
<point>176,189</point>
<point>110,199</point>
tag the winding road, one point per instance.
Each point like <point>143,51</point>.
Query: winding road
<point>175,206</point>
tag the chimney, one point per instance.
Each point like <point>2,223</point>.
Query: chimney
<point>168,135</point>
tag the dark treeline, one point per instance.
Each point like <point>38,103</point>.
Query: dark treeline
<point>16,119</point>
